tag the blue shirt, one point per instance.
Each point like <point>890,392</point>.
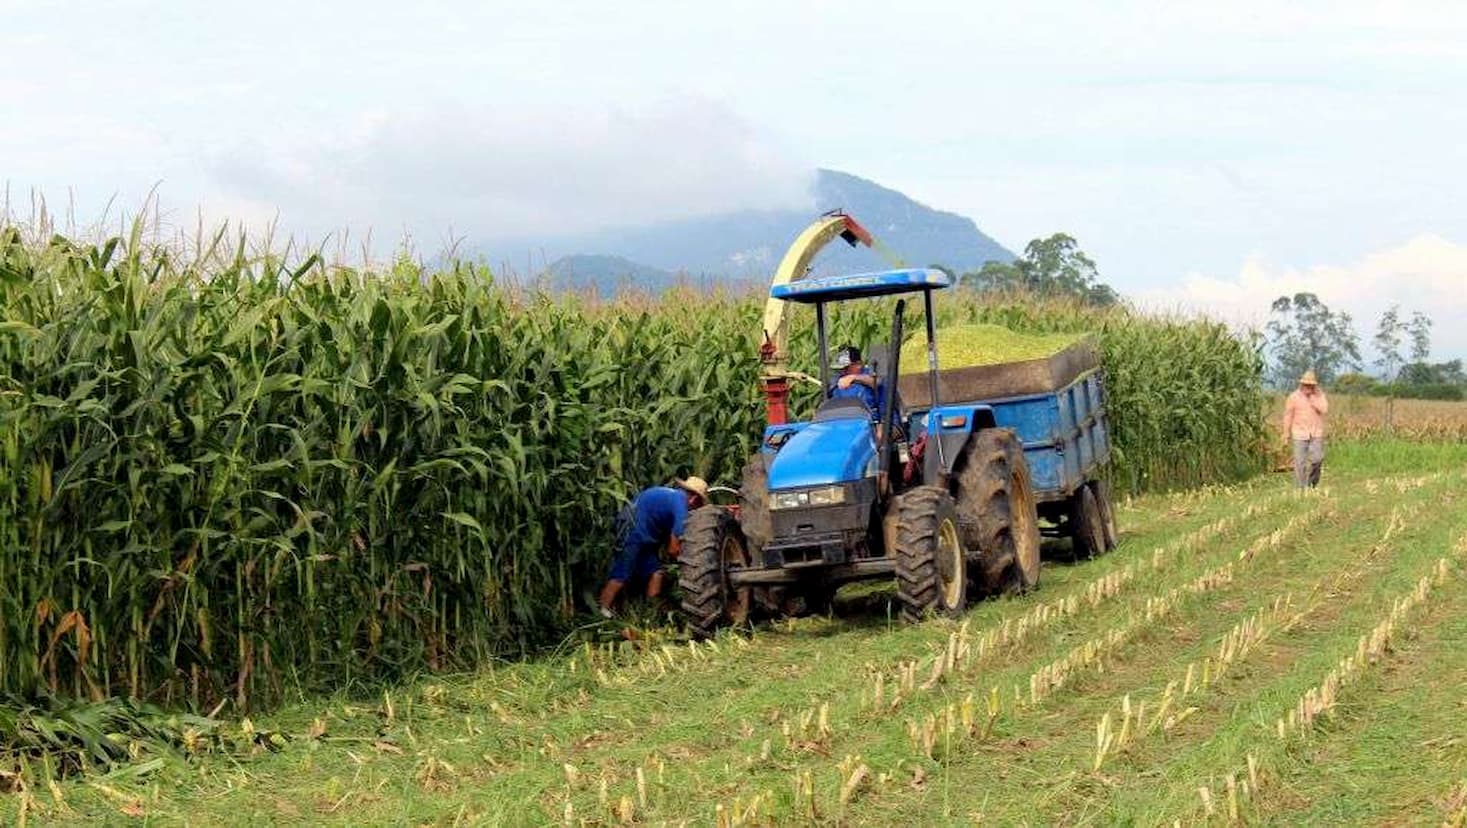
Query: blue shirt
<point>858,391</point>
<point>657,515</point>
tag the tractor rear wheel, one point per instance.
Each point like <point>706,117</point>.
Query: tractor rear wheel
<point>1087,525</point>
<point>995,500</point>
<point>712,542</point>
<point>1107,514</point>
<point>930,563</point>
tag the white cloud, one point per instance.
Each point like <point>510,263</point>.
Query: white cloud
<point>488,174</point>
<point>1427,273</point>
<point>1165,137</point>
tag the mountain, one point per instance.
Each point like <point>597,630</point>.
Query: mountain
<point>748,244</point>
<point>605,274</point>
<point>913,231</point>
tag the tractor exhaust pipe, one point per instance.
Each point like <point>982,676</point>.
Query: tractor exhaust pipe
<point>888,391</point>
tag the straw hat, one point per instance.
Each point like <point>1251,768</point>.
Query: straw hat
<point>1309,379</point>
<point>694,484</point>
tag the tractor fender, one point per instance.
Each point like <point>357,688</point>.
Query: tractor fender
<point>954,425</point>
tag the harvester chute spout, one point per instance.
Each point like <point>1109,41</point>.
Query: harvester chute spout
<point>774,346</point>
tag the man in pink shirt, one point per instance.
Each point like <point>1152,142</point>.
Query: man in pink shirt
<point>1304,412</point>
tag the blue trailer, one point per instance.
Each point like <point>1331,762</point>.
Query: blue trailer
<point>1065,434</point>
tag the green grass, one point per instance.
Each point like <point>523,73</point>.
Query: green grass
<point>1372,455</point>
<point>740,720</point>
<point>1400,742</point>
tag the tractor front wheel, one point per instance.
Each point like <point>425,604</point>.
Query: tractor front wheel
<point>712,542</point>
<point>930,563</point>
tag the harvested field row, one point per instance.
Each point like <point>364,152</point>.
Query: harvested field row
<point>787,726</point>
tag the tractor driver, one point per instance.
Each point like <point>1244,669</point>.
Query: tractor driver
<point>855,380</point>
<point>653,520</point>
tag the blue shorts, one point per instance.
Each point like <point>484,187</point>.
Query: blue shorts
<point>635,561</point>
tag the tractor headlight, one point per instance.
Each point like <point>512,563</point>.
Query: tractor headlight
<point>827,496</point>
<point>822,496</point>
<point>789,500</point>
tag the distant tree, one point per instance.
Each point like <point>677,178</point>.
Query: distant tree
<point>951,274</point>
<point>1049,266</point>
<point>1388,343</point>
<point>1357,383</point>
<point>1388,347</point>
<point>1436,373</point>
<point>1304,334</point>
<point>1419,329</point>
<point>1058,262</point>
<point>996,276</point>
<point>1428,391</point>
<point>1436,391</point>
<point>1102,295</point>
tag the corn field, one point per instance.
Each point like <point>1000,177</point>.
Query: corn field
<point>230,474</point>
<point>1372,418</point>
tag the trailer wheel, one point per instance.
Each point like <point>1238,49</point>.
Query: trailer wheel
<point>1000,520</point>
<point>1107,514</point>
<point>930,562</point>
<point>1087,525</point>
<point>712,541</point>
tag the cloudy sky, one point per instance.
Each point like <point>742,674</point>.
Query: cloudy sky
<point>1208,156</point>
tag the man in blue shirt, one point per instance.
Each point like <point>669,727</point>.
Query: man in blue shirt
<point>855,380</point>
<point>653,520</point>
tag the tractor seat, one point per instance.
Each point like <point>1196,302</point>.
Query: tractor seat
<point>842,408</point>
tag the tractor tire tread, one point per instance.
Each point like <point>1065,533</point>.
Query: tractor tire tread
<point>984,484</point>
<point>919,514</point>
<point>1089,524</point>
<point>1107,513</point>
<point>700,570</point>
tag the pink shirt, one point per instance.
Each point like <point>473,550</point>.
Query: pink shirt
<point>1304,416</point>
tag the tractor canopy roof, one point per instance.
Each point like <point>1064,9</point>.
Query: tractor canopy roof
<point>861,285</point>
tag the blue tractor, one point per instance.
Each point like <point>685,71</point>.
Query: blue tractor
<point>939,499</point>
